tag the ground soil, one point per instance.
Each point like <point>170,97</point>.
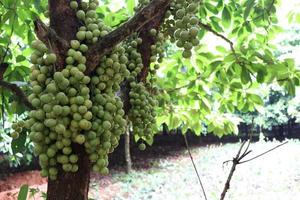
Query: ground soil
<point>274,177</point>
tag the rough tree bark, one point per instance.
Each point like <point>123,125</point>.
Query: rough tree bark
<point>63,28</point>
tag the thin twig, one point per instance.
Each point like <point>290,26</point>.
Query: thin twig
<point>237,160</point>
<point>264,153</point>
<point>233,167</point>
<point>18,92</point>
<point>194,165</point>
<point>210,29</point>
<point>184,86</point>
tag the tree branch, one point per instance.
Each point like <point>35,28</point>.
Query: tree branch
<point>238,160</point>
<point>148,41</point>
<point>194,165</point>
<point>233,167</point>
<point>17,91</point>
<point>106,44</point>
<point>210,29</point>
<point>48,36</point>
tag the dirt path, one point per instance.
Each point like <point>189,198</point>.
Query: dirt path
<point>9,187</point>
<point>274,177</point>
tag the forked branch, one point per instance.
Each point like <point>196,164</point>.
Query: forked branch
<point>17,91</point>
<point>238,159</point>
<point>108,42</point>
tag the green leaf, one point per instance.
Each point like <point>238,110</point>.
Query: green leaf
<point>149,141</point>
<point>256,99</point>
<point>197,128</point>
<point>23,192</point>
<point>20,58</point>
<point>130,6</point>
<point>215,24</point>
<point>18,145</point>
<point>249,6</point>
<point>226,17</point>
<point>213,9</point>
<point>245,76</point>
<point>136,137</point>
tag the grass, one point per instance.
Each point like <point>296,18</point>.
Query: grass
<point>275,176</point>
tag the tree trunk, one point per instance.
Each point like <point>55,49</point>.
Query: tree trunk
<point>127,151</point>
<point>63,21</point>
<point>72,186</point>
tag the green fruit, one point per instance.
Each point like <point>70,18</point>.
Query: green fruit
<point>66,110</point>
<point>81,67</point>
<point>104,171</point>
<point>194,20</point>
<point>35,102</point>
<point>35,44</point>
<point>82,109</point>
<point>66,142</point>
<point>53,171</point>
<point>58,77</point>
<point>186,54</point>
<point>51,152</point>
<point>36,89</point>
<point>95,168</point>
<point>63,159</point>
<point>80,14</point>
<point>51,88</point>
<point>75,44</point>
<point>67,167</point>
<point>83,48</point>
<point>69,60</point>
<point>74,168</point>
<point>42,48</point>
<point>85,125</point>
<point>74,5</point>
<point>50,122</point>
<point>43,158</point>
<point>44,173</point>
<point>50,59</point>
<point>153,32</point>
<point>88,103</point>
<point>193,31</point>
<point>73,158</point>
<point>91,14</point>
<point>180,13</point>
<point>88,35</point>
<point>80,139</point>
<point>41,78</point>
<point>93,6</point>
<point>14,135</point>
<point>67,150</point>
<point>57,109</point>
<point>106,125</point>
<point>79,100</point>
<point>60,129</point>
<point>88,115</point>
<point>67,134</point>
<point>192,7</point>
<point>142,146</point>
<point>80,36</point>
<point>59,144</point>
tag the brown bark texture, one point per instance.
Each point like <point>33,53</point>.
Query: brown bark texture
<point>72,186</point>
<point>63,28</point>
